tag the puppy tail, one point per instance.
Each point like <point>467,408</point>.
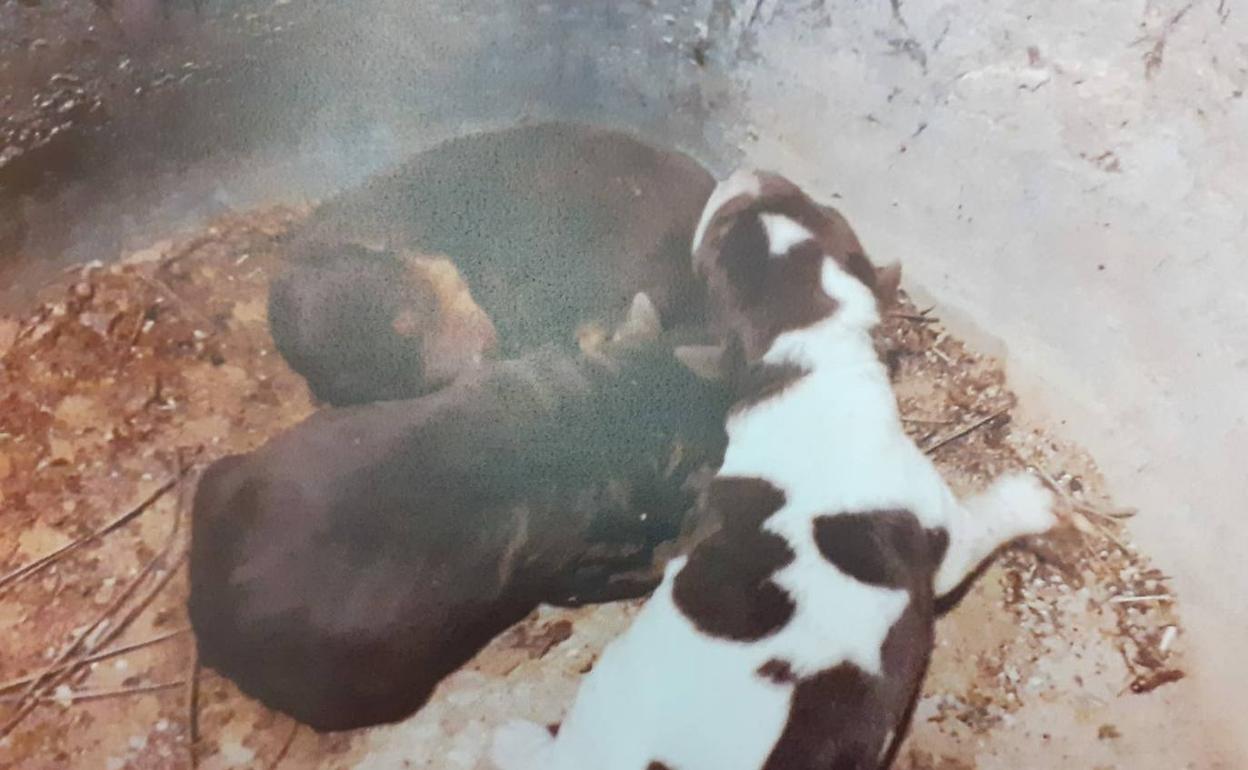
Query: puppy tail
<point>521,745</point>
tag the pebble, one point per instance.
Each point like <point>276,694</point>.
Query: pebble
<point>1167,638</point>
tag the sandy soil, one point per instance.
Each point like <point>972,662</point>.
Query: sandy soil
<point>128,378</point>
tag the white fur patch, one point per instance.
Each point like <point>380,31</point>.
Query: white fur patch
<point>857,304</point>
<point>886,745</point>
<point>740,182</point>
<point>1014,505</point>
<point>783,233</point>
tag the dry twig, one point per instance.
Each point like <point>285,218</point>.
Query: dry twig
<point>917,318</point>
<point>1141,599</point>
<point>192,710</point>
<point>38,564</point>
<point>64,667</point>
<point>74,696</point>
<point>102,655</point>
<point>966,431</point>
<point>169,293</point>
<point>924,421</point>
<point>1078,515</point>
<point>98,632</point>
<point>290,740</point>
<point>187,249</point>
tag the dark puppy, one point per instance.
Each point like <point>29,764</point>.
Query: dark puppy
<point>342,570</point>
<point>376,326</point>
<point>548,224</point>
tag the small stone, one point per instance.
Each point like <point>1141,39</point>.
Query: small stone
<point>153,253</point>
<point>99,323</point>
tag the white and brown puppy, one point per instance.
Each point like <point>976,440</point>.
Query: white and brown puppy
<point>797,636</point>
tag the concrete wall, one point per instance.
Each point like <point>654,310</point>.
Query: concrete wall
<point>1073,176</point>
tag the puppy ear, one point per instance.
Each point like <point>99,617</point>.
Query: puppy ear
<point>642,323</point>
<point>709,243</point>
<point>887,284</point>
<point>706,361</point>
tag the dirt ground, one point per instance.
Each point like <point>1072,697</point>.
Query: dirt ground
<point>129,377</point>
<point>87,94</point>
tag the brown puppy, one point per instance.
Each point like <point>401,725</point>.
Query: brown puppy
<point>550,225</point>
<point>342,570</point>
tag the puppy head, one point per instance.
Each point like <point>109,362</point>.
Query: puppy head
<point>777,261</point>
<point>454,333</point>
<point>367,325</point>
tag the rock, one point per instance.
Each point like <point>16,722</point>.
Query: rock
<point>78,413</point>
<point>153,253</point>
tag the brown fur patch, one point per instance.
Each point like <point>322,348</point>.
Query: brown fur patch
<point>778,671</point>
<point>759,382</point>
<point>725,588</point>
<point>880,548</point>
<point>657,766</point>
<point>844,718</point>
<point>822,714</point>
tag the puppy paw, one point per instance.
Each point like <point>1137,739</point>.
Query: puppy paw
<point>520,745</point>
<point>1022,505</point>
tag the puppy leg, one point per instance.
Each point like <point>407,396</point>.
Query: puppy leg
<point>1015,505</point>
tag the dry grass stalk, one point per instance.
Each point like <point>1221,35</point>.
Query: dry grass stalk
<point>13,684</point>
<point>290,741</point>
<point>99,632</point>
<point>966,431</point>
<point>75,696</point>
<point>40,563</point>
